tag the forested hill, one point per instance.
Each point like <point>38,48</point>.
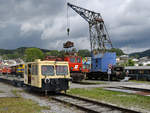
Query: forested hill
<point>20,52</point>
<point>141,54</point>
<point>17,53</point>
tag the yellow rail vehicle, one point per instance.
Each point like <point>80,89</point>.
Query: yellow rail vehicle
<point>47,75</point>
<point>20,70</point>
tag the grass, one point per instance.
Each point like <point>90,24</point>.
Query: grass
<point>113,97</point>
<point>16,92</point>
<point>20,105</point>
<point>2,92</point>
<point>145,82</point>
<point>86,82</point>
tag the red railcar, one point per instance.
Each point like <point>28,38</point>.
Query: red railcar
<point>6,70</point>
<point>86,68</point>
<point>75,65</point>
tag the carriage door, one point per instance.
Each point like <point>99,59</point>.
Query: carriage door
<point>35,77</point>
<point>29,73</point>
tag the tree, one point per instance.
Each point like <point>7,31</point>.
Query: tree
<point>33,53</point>
<point>84,53</point>
<point>130,62</point>
<point>140,64</point>
<point>118,51</point>
<point>61,53</point>
<point>53,53</point>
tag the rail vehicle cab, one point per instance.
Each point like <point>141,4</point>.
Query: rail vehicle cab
<point>86,68</point>
<point>20,70</point>
<point>75,63</point>
<point>47,75</point>
<point>75,66</point>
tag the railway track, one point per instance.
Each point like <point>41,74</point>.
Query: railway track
<point>90,106</point>
<point>84,104</point>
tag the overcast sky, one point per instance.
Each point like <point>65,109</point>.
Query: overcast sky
<point>43,23</point>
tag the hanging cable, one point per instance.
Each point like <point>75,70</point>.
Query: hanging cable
<point>68,21</point>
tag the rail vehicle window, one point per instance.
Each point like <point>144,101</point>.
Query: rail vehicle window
<point>47,70</point>
<point>146,71</point>
<point>72,60</point>
<point>61,70</point>
<point>84,66</point>
<point>34,70</point>
<point>78,60</point>
<point>118,69</point>
<point>88,66</point>
<point>26,69</point>
<point>141,71</point>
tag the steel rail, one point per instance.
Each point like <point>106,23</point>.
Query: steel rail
<point>88,104</point>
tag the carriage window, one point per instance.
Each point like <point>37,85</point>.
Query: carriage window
<point>78,60</point>
<point>61,70</point>
<point>34,70</point>
<point>84,66</point>
<point>88,66</point>
<point>146,72</point>
<point>47,70</point>
<point>72,60</point>
<point>26,69</point>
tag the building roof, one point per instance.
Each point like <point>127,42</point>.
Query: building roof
<point>137,67</point>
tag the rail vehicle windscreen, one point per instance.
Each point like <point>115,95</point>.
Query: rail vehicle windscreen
<point>72,60</point>
<point>61,70</point>
<point>86,66</point>
<point>78,60</point>
<point>26,69</point>
<point>47,70</point>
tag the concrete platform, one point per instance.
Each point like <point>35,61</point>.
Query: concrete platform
<point>16,81</point>
<point>145,87</point>
<point>2,95</point>
<point>10,77</point>
<point>143,93</point>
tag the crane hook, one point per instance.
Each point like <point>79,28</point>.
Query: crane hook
<point>68,31</point>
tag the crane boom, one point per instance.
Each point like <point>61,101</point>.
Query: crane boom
<point>99,38</point>
<point>88,15</point>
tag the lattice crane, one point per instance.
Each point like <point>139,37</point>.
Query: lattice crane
<point>99,37</point>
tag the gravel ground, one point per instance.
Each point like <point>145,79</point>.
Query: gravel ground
<point>55,107</point>
<point>7,88</point>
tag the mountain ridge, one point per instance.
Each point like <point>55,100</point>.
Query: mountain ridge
<point>145,53</point>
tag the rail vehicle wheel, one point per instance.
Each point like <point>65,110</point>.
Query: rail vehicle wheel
<point>14,83</point>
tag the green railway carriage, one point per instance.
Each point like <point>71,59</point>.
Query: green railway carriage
<point>47,75</point>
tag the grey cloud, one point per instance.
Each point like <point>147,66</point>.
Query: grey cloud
<point>42,23</point>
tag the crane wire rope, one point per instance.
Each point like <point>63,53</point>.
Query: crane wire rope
<point>68,21</point>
